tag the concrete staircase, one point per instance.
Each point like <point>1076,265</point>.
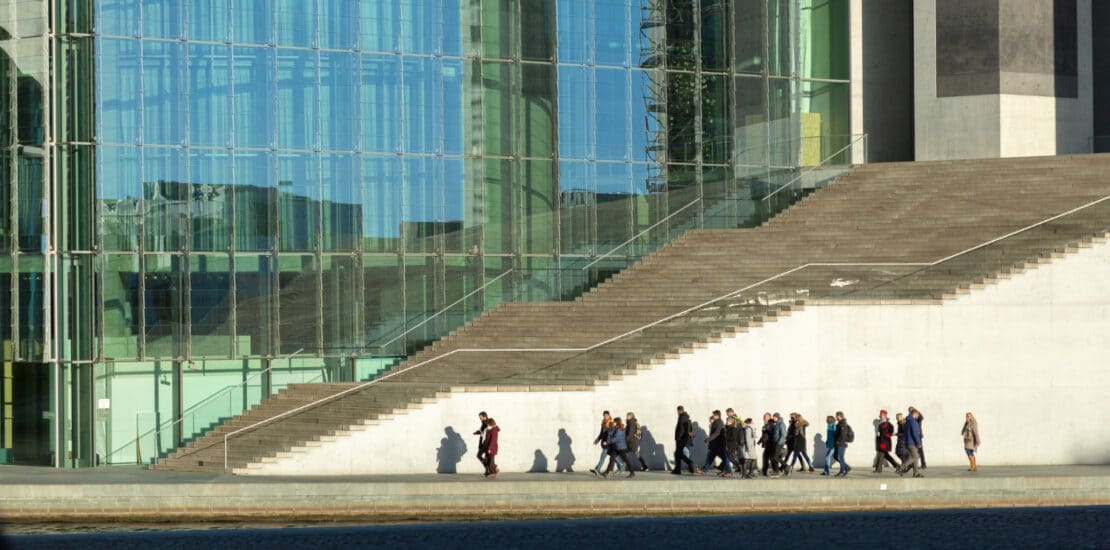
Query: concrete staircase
<point>891,222</point>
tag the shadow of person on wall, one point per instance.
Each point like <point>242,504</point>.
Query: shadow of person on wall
<point>819,451</point>
<point>564,460</point>
<point>450,452</point>
<point>539,465</point>
<point>652,451</point>
<point>701,448</point>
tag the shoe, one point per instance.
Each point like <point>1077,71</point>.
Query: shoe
<point>726,474</point>
<point>811,469</point>
<point>644,468</point>
<point>841,474</point>
<point>699,472</point>
<point>919,474</point>
<point>676,473</point>
<point>824,473</point>
<point>594,471</point>
<point>847,469</point>
<point>631,474</point>
<point>901,472</point>
<point>605,474</point>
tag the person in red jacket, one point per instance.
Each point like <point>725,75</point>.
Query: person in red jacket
<point>491,447</point>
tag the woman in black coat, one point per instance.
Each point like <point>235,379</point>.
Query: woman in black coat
<point>632,438</point>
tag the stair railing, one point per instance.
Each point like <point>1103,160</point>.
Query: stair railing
<point>731,294</point>
<point>381,347</point>
<point>855,139</point>
<point>156,431</point>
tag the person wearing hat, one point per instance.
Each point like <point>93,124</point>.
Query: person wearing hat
<point>884,432</point>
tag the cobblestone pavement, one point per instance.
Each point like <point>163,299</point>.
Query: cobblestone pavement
<point>1072,528</point>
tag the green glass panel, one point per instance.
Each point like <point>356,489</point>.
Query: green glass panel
<point>539,205</point>
<point>255,303</point>
<point>499,89</point>
<point>122,304</point>
<point>824,39</point>
<point>164,301</point>
<point>538,25</point>
<point>210,305</point>
<point>383,301</point>
<point>500,38</point>
<point>298,303</point>
<point>342,311</point>
<point>500,192</point>
<point>538,118</point>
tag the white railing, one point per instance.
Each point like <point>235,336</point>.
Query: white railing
<point>731,294</point>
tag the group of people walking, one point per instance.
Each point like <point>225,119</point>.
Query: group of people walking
<point>732,441</point>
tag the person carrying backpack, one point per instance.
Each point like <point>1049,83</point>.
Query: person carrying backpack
<point>844,436</point>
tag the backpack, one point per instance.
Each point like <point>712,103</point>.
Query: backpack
<point>849,435</point>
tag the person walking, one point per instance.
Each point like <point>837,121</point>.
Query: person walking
<point>767,441</point>
<point>747,448</point>
<point>732,440</point>
<point>900,448</point>
<point>921,436</point>
<point>884,432</point>
<point>799,425</point>
<point>491,448</point>
<point>830,443</point>
<point>603,440</point>
<point>970,432</point>
<point>632,435</point>
<point>683,436</point>
<point>481,433</point>
<point>913,445</point>
<point>716,443</point>
<point>843,436</point>
<point>779,433</point>
<point>618,448</point>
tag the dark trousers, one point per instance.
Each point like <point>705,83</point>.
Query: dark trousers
<point>680,457</point>
<point>769,459</point>
<point>634,452</point>
<point>491,465</point>
<point>713,455</point>
<point>482,457</point>
<point>921,456</point>
<point>613,454</point>
<point>881,457</point>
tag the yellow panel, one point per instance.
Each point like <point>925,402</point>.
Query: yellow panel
<point>811,139</point>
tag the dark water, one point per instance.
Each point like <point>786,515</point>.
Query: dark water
<point>1070,528</point>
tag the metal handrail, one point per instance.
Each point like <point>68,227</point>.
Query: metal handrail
<point>436,314</point>
<point>700,198</point>
<point>159,429</point>
<point>808,169</point>
<point>654,323</point>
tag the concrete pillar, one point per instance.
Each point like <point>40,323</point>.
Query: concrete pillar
<point>1001,78</point>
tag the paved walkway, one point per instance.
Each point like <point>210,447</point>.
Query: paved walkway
<point>136,494</point>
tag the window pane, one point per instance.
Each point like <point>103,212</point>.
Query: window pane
<point>209,95</point>
<point>253,21</point>
<point>537,110</point>
<point>255,200</point>
<point>163,19</point>
<point>381,203</point>
<point>538,24</point>
<point>577,124</point>
<point>296,23</point>
<point>164,305</point>
<point>342,205</point>
<point>209,20</point>
<point>164,99</point>
<point>122,305</point>
<point>165,195</point>
<point>117,17</point>
<point>611,33</point>
<point>539,199</point>
<point>339,24</point>
<point>613,126</point>
<point>254,304</point>
<point>210,199</point>
<point>297,106</point>
<point>117,97</point>
<point>209,298</point>
<point>297,304</point>
<point>255,100</point>
<point>339,101</point>
<point>298,182</point>
<point>381,100</point>
<point>574,31</point>
<point>498,93</point>
<point>380,26</point>
<point>120,189</point>
<point>423,200</point>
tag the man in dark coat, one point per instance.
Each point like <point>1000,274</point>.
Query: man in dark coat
<point>843,438</point>
<point>767,441</point>
<point>481,433</point>
<point>632,439</point>
<point>716,443</point>
<point>683,437</point>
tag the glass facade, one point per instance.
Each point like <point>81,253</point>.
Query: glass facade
<point>204,201</point>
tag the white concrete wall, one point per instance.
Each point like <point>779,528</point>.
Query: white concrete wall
<point>1029,356</point>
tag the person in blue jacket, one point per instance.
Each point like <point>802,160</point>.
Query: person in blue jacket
<point>830,443</point>
<point>618,446</point>
<point>913,443</point>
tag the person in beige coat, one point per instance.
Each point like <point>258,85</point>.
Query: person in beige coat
<point>971,440</point>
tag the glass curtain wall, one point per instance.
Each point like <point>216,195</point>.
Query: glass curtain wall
<point>253,193</point>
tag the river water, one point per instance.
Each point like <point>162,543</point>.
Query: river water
<point>1056,528</point>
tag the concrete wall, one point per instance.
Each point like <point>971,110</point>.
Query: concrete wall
<point>1019,84</point>
<point>1027,355</point>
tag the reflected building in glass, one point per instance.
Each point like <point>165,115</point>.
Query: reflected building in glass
<point>204,202</point>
